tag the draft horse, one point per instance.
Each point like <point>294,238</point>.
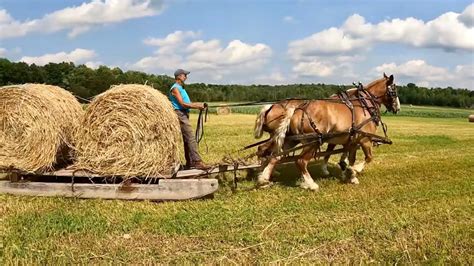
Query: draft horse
<point>353,122</point>
<point>270,120</point>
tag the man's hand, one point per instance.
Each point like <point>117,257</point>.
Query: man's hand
<point>200,106</point>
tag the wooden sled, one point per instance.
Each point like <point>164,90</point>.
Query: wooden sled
<point>185,185</point>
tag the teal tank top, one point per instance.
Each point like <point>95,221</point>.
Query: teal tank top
<point>184,95</point>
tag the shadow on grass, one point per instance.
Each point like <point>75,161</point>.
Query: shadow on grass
<point>284,174</point>
<point>289,175</point>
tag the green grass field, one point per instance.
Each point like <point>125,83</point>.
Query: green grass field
<point>414,205</point>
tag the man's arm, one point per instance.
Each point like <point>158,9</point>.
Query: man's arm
<point>177,95</point>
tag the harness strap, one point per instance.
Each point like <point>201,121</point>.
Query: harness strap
<point>373,110</point>
<point>282,106</point>
<point>311,122</point>
<point>255,144</point>
<point>385,128</point>
<point>362,97</point>
<point>302,121</point>
<point>200,123</point>
<point>365,122</point>
<point>345,99</point>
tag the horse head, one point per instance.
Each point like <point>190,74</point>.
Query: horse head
<point>385,92</point>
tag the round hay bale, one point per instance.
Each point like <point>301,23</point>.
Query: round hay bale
<point>37,126</point>
<point>471,118</point>
<point>129,130</point>
<point>223,110</point>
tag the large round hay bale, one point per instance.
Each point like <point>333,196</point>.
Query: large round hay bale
<point>223,110</point>
<point>129,130</point>
<point>471,118</point>
<point>37,126</point>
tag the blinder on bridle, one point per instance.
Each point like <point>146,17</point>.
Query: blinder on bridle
<point>392,95</point>
<point>392,91</point>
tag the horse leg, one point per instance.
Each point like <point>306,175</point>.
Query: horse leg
<point>264,177</point>
<point>265,149</point>
<point>367,149</point>
<point>343,162</point>
<point>302,163</point>
<point>350,174</point>
<point>324,167</point>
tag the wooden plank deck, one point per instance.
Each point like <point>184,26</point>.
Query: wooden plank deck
<point>166,189</point>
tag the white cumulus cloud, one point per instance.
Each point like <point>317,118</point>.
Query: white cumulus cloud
<point>273,78</point>
<point>174,38</point>
<point>328,42</point>
<point>422,73</point>
<point>206,59</point>
<point>415,68</point>
<point>77,56</point>
<point>314,68</point>
<point>161,64</point>
<point>235,53</point>
<point>465,71</point>
<point>467,16</point>
<point>449,31</point>
<point>172,41</point>
<point>93,64</point>
<point>79,19</point>
<point>332,50</point>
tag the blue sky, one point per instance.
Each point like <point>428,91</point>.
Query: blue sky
<point>430,43</point>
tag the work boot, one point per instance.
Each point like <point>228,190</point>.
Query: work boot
<point>200,165</point>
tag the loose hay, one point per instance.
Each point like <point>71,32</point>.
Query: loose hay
<point>223,110</point>
<point>129,130</point>
<point>37,126</point>
<point>471,118</point>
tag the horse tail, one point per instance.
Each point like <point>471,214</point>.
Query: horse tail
<point>260,121</point>
<point>280,133</point>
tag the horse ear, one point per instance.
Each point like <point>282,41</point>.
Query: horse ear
<point>390,79</point>
<point>385,75</point>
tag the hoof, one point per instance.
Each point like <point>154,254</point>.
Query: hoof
<point>263,183</point>
<point>348,175</point>
<point>326,173</point>
<point>358,170</point>
<point>313,187</point>
<point>354,181</point>
<point>359,167</point>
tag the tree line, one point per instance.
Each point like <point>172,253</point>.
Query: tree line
<point>86,83</point>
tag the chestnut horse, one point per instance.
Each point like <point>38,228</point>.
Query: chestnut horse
<point>269,120</point>
<point>327,117</point>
